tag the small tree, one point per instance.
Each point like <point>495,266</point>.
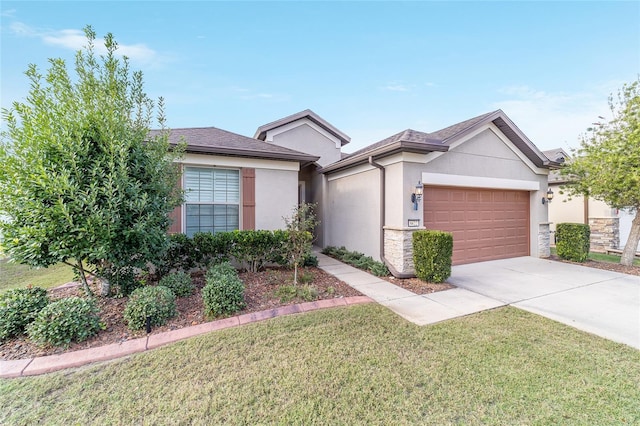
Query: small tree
<point>300,227</point>
<point>81,182</point>
<point>607,165</point>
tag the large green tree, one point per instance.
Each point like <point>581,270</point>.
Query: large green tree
<point>607,164</point>
<point>81,182</point>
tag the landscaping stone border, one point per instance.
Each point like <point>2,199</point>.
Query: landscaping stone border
<point>47,364</point>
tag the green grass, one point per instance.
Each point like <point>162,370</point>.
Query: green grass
<point>15,275</point>
<point>602,257</point>
<point>352,365</point>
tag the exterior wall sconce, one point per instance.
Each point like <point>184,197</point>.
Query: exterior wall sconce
<point>416,196</point>
<point>548,198</point>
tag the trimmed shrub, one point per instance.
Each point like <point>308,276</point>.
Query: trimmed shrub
<point>224,292</point>
<point>65,320</point>
<point>18,308</point>
<point>212,248</point>
<point>357,259</point>
<point>432,251</point>
<point>179,282</point>
<point>156,302</point>
<point>254,249</point>
<point>181,255</point>
<point>572,241</point>
<point>310,259</point>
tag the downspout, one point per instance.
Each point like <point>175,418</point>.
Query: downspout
<point>391,268</point>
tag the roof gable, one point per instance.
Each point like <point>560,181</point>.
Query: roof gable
<point>261,133</point>
<point>442,139</point>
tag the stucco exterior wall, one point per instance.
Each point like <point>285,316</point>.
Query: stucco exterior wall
<point>317,196</point>
<point>307,137</point>
<point>276,196</point>
<point>276,185</point>
<point>354,204</point>
<point>563,210</point>
<point>488,160</point>
<point>626,217</point>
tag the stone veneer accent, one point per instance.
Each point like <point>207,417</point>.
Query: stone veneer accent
<point>605,233</point>
<point>544,240</point>
<point>398,248</point>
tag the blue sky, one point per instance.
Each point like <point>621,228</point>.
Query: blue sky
<point>372,69</point>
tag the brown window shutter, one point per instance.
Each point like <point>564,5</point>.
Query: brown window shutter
<point>176,214</point>
<point>248,198</point>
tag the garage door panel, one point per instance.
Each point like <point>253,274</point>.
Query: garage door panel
<point>486,224</point>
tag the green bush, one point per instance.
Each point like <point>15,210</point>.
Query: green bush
<point>181,255</point>
<point>223,293</point>
<point>310,259</point>
<point>572,241</point>
<point>432,251</point>
<point>357,259</point>
<point>179,282</point>
<point>65,320</point>
<point>122,280</point>
<point>289,292</point>
<point>158,303</point>
<point>18,308</point>
<point>254,249</point>
<point>212,248</point>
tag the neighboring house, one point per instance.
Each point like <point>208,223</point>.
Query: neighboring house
<point>481,179</point>
<point>610,227</point>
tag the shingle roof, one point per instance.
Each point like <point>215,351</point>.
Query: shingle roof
<point>412,140</point>
<point>557,155</point>
<point>211,140</point>
<point>261,133</point>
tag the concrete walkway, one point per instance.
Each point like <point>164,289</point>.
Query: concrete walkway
<point>419,309</point>
<point>601,302</point>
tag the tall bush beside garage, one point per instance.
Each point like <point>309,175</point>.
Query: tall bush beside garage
<point>432,252</point>
<point>572,241</point>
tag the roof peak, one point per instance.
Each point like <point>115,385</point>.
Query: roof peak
<point>261,133</point>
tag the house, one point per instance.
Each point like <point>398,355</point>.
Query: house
<point>481,179</point>
<point>610,227</point>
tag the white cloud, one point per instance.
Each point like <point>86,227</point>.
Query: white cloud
<point>74,39</point>
<point>9,13</point>
<point>397,87</point>
<point>553,120</point>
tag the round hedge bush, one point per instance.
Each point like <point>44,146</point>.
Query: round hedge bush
<point>178,282</point>
<point>224,292</point>
<point>156,302</point>
<point>65,320</point>
<point>18,308</point>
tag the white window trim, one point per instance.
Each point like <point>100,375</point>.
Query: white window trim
<point>183,207</point>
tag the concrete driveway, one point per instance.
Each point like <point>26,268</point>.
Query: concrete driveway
<point>600,302</point>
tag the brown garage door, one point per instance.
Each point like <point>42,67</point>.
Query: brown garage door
<point>486,224</point>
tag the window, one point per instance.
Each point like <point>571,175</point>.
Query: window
<point>212,200</point>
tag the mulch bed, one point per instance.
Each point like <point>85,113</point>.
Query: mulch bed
<point>615,267</point>
<point>260,295</point>
<point>260,289</point>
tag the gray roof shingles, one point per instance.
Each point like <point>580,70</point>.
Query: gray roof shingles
<point>441,139</point>
<point>211,140</point>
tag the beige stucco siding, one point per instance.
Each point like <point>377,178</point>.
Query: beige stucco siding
<point>276,185</point>
<point>565,209</point>
<point>354,205</point>
<point>488,160</point>
<point>276,196</point>
<point>308,138</point>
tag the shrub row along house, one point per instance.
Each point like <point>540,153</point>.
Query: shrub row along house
<point>481,179</point>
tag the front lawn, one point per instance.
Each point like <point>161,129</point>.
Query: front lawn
<point>355,365</point>
<point>15,275</point>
